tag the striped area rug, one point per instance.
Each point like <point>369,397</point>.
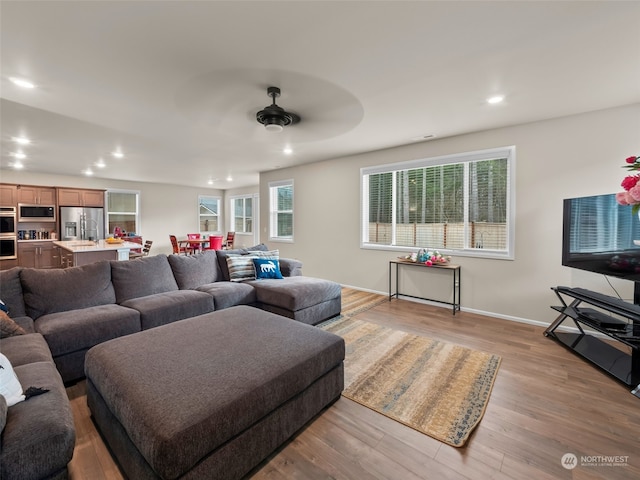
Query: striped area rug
<point>357,301</point>
<point>438,388</point>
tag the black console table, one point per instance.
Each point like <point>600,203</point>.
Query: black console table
<point>454,269</point>
<point>615,318</point>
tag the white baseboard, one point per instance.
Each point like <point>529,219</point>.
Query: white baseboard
<point>500,316</point>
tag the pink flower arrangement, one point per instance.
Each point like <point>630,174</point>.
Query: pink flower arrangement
<point>631,185</point>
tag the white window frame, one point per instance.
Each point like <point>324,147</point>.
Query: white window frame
<point>273,211</point>
<point>136,213</point>
<point>503,152</point>
<point>232,207</point>
<point>219,215</point>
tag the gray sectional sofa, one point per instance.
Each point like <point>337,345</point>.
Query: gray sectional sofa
<point>38,436</point>
<point>71,310</point>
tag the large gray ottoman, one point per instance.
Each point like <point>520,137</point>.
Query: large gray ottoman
<point>211,396</point>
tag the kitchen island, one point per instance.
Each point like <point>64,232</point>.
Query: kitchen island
<point>82,252</point>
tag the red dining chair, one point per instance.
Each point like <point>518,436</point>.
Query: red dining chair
<point>215,242</point>
<point>195,247</point>
<point>177,249</point>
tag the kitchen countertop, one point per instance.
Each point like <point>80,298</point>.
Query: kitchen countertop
<point>79,246</point>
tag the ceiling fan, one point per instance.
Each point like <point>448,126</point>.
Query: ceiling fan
<point>273,117</point>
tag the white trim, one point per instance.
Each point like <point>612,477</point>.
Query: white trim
<point>508,152</point>
<point>219,215</point>
<point>137,213</point>
<point>499,152</point>
<point>272,209</point>
<point>510,318</point>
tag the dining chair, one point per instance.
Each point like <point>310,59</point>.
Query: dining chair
<point>215,243</point>
<point>195,247</point>
<point>145,250</point>
<point>177,249</point>
<point>228,244</point>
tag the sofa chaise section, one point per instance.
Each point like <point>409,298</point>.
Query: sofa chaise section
<point>305,299</point>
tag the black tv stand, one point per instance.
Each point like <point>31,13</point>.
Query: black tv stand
<point>615,318</point>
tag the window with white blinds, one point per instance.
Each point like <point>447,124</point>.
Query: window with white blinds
<point>461,204</point>
<point>281,210</point>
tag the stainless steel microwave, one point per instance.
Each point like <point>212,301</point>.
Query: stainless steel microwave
<point>36,213</point>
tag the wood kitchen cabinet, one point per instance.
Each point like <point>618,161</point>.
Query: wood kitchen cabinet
<point>8,195</point>
<point>36,195</point>
<point>38,255</point>
<point>75,197</point>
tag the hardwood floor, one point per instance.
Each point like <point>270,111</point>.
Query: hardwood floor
<point>546,402</point>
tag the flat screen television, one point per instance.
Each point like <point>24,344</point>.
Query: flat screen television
<point>601,236</point>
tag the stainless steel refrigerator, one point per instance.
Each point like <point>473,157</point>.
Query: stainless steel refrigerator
<point>80,223</point>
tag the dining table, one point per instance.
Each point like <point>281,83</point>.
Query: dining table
<point>188,242</point>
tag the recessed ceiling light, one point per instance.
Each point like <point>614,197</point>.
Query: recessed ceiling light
<point>210,182</point>
<point>21,140</point>
<point>19,155</point>
<point>21,82</point>
<point>118,154</point>
<point>229,178</point>
<point>495,99</point>
<point>100,164</point>
<point>288,150</point>
<point>88,172</point>
<point>18,165</point>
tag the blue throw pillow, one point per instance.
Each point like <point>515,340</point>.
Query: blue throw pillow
<point>266,268</point>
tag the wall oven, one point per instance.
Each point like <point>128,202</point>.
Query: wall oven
<point>8,248</point>
<point>8,237</point>
<point>8,221</point>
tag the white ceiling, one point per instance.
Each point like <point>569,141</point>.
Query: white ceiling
<point>176,84</point>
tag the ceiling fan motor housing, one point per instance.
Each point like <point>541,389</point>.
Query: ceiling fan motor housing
<point>273,117</point>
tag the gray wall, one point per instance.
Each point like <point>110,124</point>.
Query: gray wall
<point>555,159</point>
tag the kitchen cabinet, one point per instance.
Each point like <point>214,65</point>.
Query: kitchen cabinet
<point>38,254</point>
<point>75,197</point>
<point>7,264</point>
<point>36,195</point>
<point>8,195</point>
